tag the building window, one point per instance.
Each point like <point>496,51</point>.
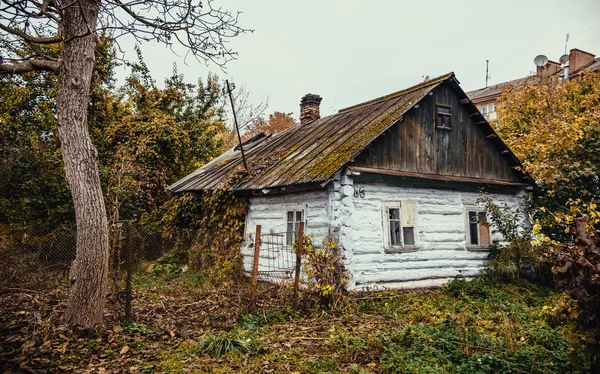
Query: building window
<point>443,117</point>
<point>488,109</point>
<point>399,226</point>
<point>293,219</point>
<point>478,229</point>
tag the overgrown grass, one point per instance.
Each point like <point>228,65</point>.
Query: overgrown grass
<point>479,326</point>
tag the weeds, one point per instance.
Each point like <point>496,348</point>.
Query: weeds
<point>220,345</point>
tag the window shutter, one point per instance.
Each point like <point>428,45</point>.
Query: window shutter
<point>408,214</point>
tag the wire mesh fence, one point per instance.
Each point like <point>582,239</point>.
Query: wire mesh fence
<point>277,254</point>
<point>57,248</point>
<point>280,258</point>
<point>133,246</point>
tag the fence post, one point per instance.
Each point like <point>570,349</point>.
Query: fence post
<point>299,250</point>
<point>255,267</point>
<point>129,240</point>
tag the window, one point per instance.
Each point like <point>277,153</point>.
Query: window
<point>484,109</point>
<point>444,114</point>
<point>293,219</point>
<point>478,229</point>
<point>399,226</point>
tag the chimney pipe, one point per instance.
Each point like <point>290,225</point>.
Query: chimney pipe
<point>309,108</point>
<point>547,70</point>
<point>579,59</point>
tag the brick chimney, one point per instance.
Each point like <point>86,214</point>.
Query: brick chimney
<point>309,108</point>
<point>547,70</point>
<point>579,59</point>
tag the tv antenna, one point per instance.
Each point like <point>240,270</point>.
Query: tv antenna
<point>566,41</point>
<point>487,75</point>
<point>228,89</point>
<point>540,60</point>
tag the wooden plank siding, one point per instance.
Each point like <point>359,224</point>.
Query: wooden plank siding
<point>416,145</point>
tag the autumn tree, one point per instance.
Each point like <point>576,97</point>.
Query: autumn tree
<point>277,122</point>
<point>73,27</point>
<point>163,135</point>
<point>553,128</point>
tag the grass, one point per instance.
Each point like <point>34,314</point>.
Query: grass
<point>465,327</point>
<point>183,323</point>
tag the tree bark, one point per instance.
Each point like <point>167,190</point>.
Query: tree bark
<point>88,294</point>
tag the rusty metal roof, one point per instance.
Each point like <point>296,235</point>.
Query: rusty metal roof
<point>313,152</point>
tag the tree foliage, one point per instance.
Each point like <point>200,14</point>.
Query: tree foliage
<point>277,122</point>
<point>553,127</point>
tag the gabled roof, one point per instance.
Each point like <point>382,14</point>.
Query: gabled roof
<point>314,152</point>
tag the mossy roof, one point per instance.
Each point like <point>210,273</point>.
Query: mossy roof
<point>312,152</point>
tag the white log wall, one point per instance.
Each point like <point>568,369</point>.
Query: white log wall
<point>440,233</point>
<point>441,251</point>
<point>270,211</point>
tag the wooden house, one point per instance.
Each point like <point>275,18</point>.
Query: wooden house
<point>396,179</point>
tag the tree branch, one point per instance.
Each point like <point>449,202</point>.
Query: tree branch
<point>32,39</point>
<point>28,66</point>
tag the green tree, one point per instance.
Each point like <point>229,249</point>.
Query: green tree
<point>163,135</point>
<point>73,28</point>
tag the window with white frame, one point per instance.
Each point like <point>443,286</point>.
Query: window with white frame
<point>293,218</point>
<point>478,229</point>
<point>399,226</point>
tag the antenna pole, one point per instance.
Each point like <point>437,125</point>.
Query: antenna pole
<point>487,76</point>
<point>237,128</point>
<point>566,41</point>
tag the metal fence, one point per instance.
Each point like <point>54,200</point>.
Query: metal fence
<point>279,258</point>
<point>57,249</point>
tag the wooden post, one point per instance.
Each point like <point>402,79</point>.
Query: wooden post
<point>300,241</point>
<point>255,267</point>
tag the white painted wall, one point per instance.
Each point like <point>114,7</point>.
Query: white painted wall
<point>440,230</point>
<point>269,211</point>
<point>441,237</point>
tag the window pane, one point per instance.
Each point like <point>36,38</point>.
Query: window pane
<point>394,213</point>
<point>298,216</point>
<point>440,121</point>
<point>394,232</point>
<point>443,110</point>
<point>290,216</point>
<point>447,122</point>
<point>482,218</point>
<point>474,238</point>
<point>409,235</point>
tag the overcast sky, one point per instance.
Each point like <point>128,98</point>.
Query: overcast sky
<point>353,51</point>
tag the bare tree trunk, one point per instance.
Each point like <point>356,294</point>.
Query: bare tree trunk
<point>88,294</point>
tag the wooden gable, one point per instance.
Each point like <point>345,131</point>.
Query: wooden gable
<point>416,146</point>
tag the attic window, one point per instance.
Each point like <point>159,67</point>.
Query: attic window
<point>443,117</point>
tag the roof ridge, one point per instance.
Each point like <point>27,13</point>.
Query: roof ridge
<point>398,93</point>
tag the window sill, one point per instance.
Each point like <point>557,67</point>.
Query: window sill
<point>443,128</point>
<point>412,248</point>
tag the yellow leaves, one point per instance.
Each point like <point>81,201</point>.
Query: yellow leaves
<point>543,123</point>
